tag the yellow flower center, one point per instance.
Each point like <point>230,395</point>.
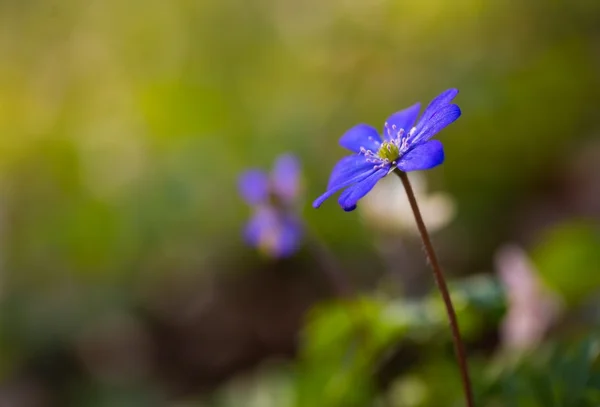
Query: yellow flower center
<point>388,151</point>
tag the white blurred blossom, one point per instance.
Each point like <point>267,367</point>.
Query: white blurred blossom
<point>532,308</point>
<point>387,208</point>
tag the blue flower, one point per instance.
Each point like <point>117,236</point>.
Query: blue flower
<point>405,145</point>
<point>274,228</point>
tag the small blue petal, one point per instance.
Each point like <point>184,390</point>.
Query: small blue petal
<point>289,238</point>
<point>440,101</point>
<point>274,232</point>
<point>254,186</point>
<point>350,196</point>
<point>422,157</point>
<point>348,167</point>
<point>262,220</point>
<point>352,176</point>
<point>440,119</point>
<point>361,135</point>
<point>286,177</point>
<point>403,119</point>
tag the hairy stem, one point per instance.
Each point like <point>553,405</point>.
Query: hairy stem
<point>459,348</point>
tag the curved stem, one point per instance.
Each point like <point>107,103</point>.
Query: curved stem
<point>441,283</point>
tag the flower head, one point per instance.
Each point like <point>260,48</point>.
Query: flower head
<point>404,145</point>
<point>273,229</point>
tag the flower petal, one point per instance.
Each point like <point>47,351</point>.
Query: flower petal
<point>361,135</point>
<point>254,186</point>
<point>263,221</point>
<point>348,167</point>
<point>440,119</point>
<point>290,236</point>
<point>403,119</point>
<point>440,101</point>
<point>350,196</point>
<point>273,232</point>
<point>423,157</point>
<point>286,177</point>
<point>348,171</point>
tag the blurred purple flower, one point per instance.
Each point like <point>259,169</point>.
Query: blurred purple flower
<point>532,308</point>
<point>274,228</point>
<point>404,146</point>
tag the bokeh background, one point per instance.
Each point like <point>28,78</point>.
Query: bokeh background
<point>124,279</point>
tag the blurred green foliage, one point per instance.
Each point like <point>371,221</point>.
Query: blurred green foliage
<point>346,343</point>
<point>571,246</point>
<point>557,375</point>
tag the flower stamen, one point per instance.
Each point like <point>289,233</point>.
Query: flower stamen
<point>390,150</point>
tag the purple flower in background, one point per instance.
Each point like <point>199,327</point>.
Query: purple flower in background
<point>405,145</point>
<point>274,228</point>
